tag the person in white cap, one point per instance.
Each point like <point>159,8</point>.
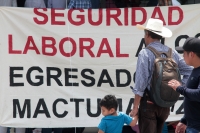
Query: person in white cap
<point>151,116</point>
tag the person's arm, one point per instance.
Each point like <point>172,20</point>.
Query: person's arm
<point>142,78</point>
<point>191,94</point>
<point>129,120</point>
<point>134,121</point>
<point>102,126</point>
<point>183,120</point>
<point>100,131</point>
<point>136,103</point>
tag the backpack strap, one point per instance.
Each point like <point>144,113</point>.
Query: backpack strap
<point>169,53</point>
<point>155,52</point>
<point>158,54</point>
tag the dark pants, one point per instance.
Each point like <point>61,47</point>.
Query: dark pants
<point>152,117</point>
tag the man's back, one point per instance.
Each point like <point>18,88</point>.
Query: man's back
<point>144,70</point>
<point>152,116</point>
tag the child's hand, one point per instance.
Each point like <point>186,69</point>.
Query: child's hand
<point>134,121</point>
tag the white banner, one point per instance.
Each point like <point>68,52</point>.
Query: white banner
<point>57,64</point>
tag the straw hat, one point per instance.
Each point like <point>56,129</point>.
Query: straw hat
<point>156,26</point>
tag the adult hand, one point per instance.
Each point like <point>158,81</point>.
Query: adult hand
<point>134,112</point>
<point>174,83</point>
<point>180,128</point>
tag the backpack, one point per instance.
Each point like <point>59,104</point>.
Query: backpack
<point>165,69</point>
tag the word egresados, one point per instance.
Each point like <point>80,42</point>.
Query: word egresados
<point>55,73</point>
<point>121,17</point>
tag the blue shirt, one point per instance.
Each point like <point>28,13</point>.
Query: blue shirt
<point>80,4</point>
<point>145,62</point>
<point>114,124</point>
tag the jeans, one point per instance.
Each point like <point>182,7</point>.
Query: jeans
<point>191,130</point>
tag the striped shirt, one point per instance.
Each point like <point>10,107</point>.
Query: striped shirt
<point>145,62</point>
<point>80,4</point>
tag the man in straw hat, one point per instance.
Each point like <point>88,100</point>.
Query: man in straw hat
<point>151,116</point>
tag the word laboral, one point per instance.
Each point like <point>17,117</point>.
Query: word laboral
<point>85,46</point>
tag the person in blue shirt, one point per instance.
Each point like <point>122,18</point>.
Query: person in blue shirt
<point>191,91</point>
<point>152,116</point>
<point>113,121</point>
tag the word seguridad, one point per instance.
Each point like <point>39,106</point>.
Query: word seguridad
<point>111,15</point>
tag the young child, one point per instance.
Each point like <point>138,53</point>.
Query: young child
<point>113,121</point>
<point>190,91</point>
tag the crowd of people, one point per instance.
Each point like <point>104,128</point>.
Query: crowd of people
<point>94,4</point>
<point>149,121</point>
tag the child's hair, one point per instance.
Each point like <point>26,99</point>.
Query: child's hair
<point>109,101</point>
